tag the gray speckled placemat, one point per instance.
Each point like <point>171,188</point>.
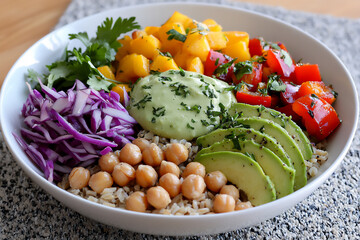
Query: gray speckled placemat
<point>331,212</point>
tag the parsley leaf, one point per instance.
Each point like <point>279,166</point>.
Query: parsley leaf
<point>173,34</point>
<point>82,65</point>
<point>275,83</point>
<point>242,68</point>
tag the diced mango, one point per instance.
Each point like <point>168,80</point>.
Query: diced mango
<point>237,50</point>
<point>235,36</point>
<point>197,45</point>
<point>147,45</point>
<point>217,40</point>
<point>163,63</point>
<point>212,25</point>
<point>178,17</point>
<point>152,30</point>
<point>138,34</point>
<point>181,57</point>
<point>173,45</point>
<point>195,65</point>
<point>107,72</point>
<point>120,88</point>
<point>196,26</point>
<point>124,49</point>
<point>131,67</point>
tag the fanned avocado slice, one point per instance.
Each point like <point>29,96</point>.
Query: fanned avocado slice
<point>281,175</point>
<point>242,171</point>
<point>284,139</point>
<point>248,134</point>
<point>246,110</point>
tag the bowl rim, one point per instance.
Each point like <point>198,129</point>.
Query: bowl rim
<point>40,180</point>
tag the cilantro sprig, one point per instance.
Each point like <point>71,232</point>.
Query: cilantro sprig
<point>82,65</point>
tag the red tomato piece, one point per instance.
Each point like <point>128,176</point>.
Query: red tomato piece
<point>253,78</point>
<point>319,89</point>
<point>307,72</point>
<point>255,47</point>
<point>213,61</point>
<point>319,117</point>
<point>253,98</point>
<point>280,62</point>
<point>290,94</point>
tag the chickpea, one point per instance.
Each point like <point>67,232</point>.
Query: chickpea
<point>108,161</point>
<point>223,203</point>
<point>171,183</point>
<point>194,168</point>
<point>130,154</point>
<point>242,205</point>
<point>142,143</point>
<point>230,190</point>
<point>169,167</point>
<point>123,173</point>
<point>79,178</point>
<point>146,176</point>
<point>100,180</point>
<point>153,155</point>
<point>176,153</point>
<point>215,181</point>
<point>158,197</point>
<point>193,186</point>
<point>137,201</point>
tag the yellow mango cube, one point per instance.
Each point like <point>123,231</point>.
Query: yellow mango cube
<point>107,72</point>
<point>124,49</point>
<point>152,30</point>
<point>163,63</point>
<point>217,40</point>
<point>195,65</point>
<point>147,46</point>
<point>178,17</point>
<point>131,67</point>
<point>212,25</point>
<point>120,88</point>
<point>238,50</point>
<point>172,45</point>
<point>181,57</point>
<point>196,44</point>
<point>138,34</point>
<point>235,36</point>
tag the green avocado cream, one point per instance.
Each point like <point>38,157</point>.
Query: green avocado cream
<point>179,104</point>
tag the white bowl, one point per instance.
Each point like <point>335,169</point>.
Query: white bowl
<point>300,45</point>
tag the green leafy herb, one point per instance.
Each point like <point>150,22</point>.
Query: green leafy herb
<point>158,112</point>
<point>189,126</point>
<point>275,83</point>
<point>242,68</point>
<point>141,103</point>
<point>179,89</point>
<point>82,65</point>
<point>173,34</point>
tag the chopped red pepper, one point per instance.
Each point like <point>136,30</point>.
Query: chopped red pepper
<point>253,78</point>
<point>307,72</point>
<point>253,98</point>
<point>255,47</point>
<point>319,117</point>
<point>213,61</point>
<point>280,62</point>
<point>319,89</point>
<point>290,93</point>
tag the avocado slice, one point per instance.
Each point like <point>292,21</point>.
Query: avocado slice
<point>242,171</point>
<point>247,110</point>
<point>246,133</point>
<point>281,175</point>
<point>284,139</point>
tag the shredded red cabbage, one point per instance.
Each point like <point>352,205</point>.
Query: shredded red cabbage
<point>65,130</point>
